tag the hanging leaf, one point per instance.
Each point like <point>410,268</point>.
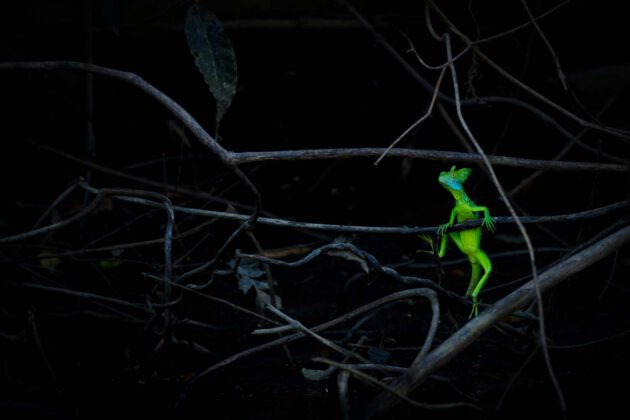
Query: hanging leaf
<point>213,54</point>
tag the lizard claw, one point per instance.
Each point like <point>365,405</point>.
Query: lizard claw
<point>489,224</point>
<point>475,309</point>
<point>442,228</point>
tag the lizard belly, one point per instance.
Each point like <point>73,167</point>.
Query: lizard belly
<point>470,240</point>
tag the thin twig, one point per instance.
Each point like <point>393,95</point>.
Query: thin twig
<point>589,343</point>
<point>515,377</point>
<point>83,295</point>
<point>531,178</point>
<point>298,326</point>
<point>214,261</point>
<point>534,22</point>
<point>58,225</point>
<point>414,125</point>
<point>412,49</point>
<point>55,203</point>
<point>130,245</point>
<point>42,351</point>
<point>546,118</point>
<point>523,25</point>
<point>373,381</point>
<point>141,180</point>
<point>213,299</point>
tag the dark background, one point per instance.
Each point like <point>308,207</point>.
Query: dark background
<point>309,76</point>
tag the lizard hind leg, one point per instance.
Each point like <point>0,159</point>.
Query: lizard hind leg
<point>474,278</point>
<point>485,263</point>
<point>476,283</point>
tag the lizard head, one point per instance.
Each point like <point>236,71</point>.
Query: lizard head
<point>453,180</point>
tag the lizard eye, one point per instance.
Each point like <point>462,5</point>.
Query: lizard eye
<point>452,174</point>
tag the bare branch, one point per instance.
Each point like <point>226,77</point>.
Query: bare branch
<point>179,189</point>
<point>534,22</point>
<point>367,152</point>
<point>403,295</point>
<point>212,298</point>
<point>83,295</point>
<point>523,25</point>
<point>588,214</point>
<point>531,178</point>
<point>414,125</point>
<point>622,134</point>
<point>373,381</point>
<point>298,326</point>
<point>46,229</point>
<point>178,111</point>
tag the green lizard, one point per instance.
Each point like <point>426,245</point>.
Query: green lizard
<point>467,240</point>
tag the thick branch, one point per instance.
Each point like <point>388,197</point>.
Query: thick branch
<point>476,327</point>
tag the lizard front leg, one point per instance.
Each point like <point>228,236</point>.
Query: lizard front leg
<point>442,228</point>
<point>488,221</point>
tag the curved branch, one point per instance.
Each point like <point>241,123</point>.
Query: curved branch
<point>133,79</point>
<point>176,109</point>
<point>405,294</point>
<point>367,261</point>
